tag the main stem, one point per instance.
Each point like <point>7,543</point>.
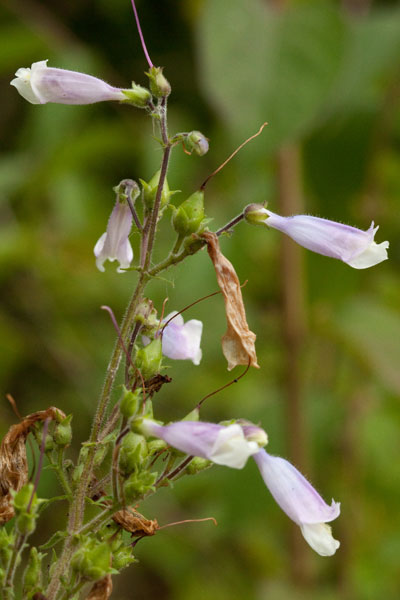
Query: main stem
<point>77,508</point>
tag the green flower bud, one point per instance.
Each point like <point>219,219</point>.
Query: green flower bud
<point>130,403</point>
<point>138,484</point>
<point>255,214</point>
<point>63,432</point>
<point>159,85</point>
<point>150,191</point>
<point>92,560</point>
<point>197,464</point>
<point>138,96</point>
<point>7,541</point>
<point>32,574</point>
<point>148,359</point>
<point>188,217</point>
<point>25,523</point>
<point>132,453</point>
<point>22,498</point>
<point>196,142</point>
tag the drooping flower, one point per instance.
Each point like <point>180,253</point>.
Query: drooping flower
<point>181,341</point>
<point>300,501</point>
<point>41,84</point>
<point>349,244</point>
<point>223,445</point>
<point>114,243</point>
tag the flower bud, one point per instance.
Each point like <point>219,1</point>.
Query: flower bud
<point>92,560</point>
<point>41,84</point>
<point>188,217</point>
<point>22,498</point>
<point>130,403</point>
<point>7,541</point>
<point>132,453</point>
<point>148,359</point>
<point>138,96</point>
<point>196,142</point>
<point>138,484</point>
<point>25,523</point>
<point>159,85</point>
<point>32,574</point>
<point>63,432</point>
<point>150,191</point>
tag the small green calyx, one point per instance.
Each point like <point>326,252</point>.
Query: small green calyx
<point>255,214</point>
<point>32,574</point>
<point>127,188</point>
<point>150,191</point>
<point>26,505</point>
<point>132,453</point>
<point>138,484</point>
<point>92,560</point>
<point>197,465</point>
<point>159,85</point>
<point>63,432</point>
<point>130,403</point>
<point>188,218</point>
<point>148,359</point>
<point>138,96</point>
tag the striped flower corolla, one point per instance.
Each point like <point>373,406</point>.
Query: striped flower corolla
<point>329,238</point>
<point>114,244</point>
<point>40,84</point>
<point>222,444</point>
<point>300,501</point>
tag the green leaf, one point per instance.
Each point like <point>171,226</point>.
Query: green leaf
<point>284,76</point>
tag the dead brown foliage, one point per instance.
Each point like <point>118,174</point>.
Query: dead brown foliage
<point>238,342</point>
<point>13,462</point>
<point>102,589</point>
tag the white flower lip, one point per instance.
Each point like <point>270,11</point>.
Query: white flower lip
<point>181,341</point>
<point>40,84</point>
<point>353,246</point>
<point>300,501</point>
<point>114,243</point>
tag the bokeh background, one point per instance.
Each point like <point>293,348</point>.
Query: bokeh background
<point>325,75</point>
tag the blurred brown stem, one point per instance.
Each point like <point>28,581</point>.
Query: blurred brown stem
<point>293,328</point>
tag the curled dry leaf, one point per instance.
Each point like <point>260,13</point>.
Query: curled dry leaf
<point>238,342</point>
<point>102,589</point>
<point>13,462</point>
<point>135,523</point>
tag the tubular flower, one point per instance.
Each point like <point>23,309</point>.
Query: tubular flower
<point>223,445</point>
<point>349,244</point>
<point>114,243</point>
<point>181,341</point>
<point>41,84</point>
<point>300,501</point>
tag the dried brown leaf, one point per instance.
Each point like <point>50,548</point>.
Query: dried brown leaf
<point>102,589</point>
<point>13,462</point>
<point>238,342</point>
<point>135,523</point>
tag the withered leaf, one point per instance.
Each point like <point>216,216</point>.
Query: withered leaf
<point>135,523</point>
<point>13,462</point>
<point>238,342</point>
<point>102,589</point>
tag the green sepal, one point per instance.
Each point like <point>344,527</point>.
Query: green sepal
<point>133,452</point>
<point>32,575</point>
<point>63,432</point>
<point>138,484</point>
<point>150,191</point>
<point>138,96</point>
<point>159,85</point>
<point>130,403</point>
<point>189,218</point>
<point>148,359</point>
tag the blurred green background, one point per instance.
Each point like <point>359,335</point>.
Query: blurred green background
<point>325,75</point>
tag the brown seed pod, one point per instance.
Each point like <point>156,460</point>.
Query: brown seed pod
<point>13,462</point>
<point>238,342</point>
<point>135,523</point>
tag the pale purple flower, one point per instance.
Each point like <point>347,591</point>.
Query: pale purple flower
<point>223,445</point>
<point>181,341</point>
<point>41,84</point>
<point>349,244</point>
<point>300,501</point>
<point>114,243</point>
